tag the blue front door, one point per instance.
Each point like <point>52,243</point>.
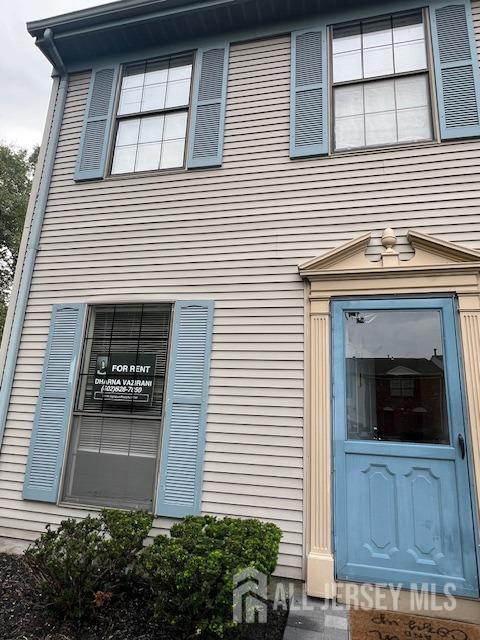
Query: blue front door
<point>403,505</point>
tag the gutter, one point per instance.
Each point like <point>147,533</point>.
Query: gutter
<point>31,239</point>
<point>52,49</point>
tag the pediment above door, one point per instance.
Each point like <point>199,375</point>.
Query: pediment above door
<point>430,254</point>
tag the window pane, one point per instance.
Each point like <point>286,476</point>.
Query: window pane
<point>130,101</point>
<point>410,56</point>
<point>407,28</point>
<point>380,96</point>
<point>349,132</point>
<point>348,101</point>
<point>377,33</point>
<point>148,157</point>
<point>381,128</point>
<point>134,76</point>
<point>347,66</point>
<point>412,92</point>
<point>175,126</point>
<point>347,38</point>
<point>120,331</point>
<point>378,62</point>
<point>124,159</point>
<point>172,154</point>
<point>156,85</point>
<point>157,72</point>
<point>414,125</point>
<point>128,132</point>
<point>108,474</point>
<point>151,129</point>
<point>178,93</point>
<point>180,69</point>
<point>395,377</point>
<point>154,97</point>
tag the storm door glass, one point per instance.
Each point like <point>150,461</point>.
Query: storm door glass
<point>395,381</point>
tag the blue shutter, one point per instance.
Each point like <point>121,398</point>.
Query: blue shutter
<point>42,476</point>
<point>456,69</point>
<point>207,122</point>
<point>97,124</point>
<point>309,93</point>
<point>183,442</point>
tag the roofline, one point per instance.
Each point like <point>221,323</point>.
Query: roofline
<point>107,13</point>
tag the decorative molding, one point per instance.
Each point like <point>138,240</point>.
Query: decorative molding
<point>430,254</point>
<point>470,336</point>
<point>320,562</point>
<point>320,448</point>
<point>352,248</point>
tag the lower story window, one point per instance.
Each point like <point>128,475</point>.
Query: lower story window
<point>117,422</point>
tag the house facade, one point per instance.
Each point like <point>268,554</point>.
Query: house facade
<point>249,282</point>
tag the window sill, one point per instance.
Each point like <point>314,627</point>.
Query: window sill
<point>145,174</point>
<point>95,508</point>
<point>386,148</point>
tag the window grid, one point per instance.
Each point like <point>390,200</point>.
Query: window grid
<point>165,153</point>
<point>393,76</point>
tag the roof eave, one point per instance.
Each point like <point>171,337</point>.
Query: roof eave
<point>105,14</point>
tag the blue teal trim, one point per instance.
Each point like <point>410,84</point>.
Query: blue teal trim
<point>216,159</point>
<point>20,303</point>
<point>297,150</point>
<point>82,174</point>
<point>341,446</point>
<point>164,507</point>
<point>41,425</point>
<point>467,131</point>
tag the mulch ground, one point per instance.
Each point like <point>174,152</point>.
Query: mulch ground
<point>23,615</point>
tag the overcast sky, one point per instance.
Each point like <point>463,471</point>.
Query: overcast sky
<point>24,73</point>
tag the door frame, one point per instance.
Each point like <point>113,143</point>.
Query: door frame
<point>455,406</point>
<point>438,268</point>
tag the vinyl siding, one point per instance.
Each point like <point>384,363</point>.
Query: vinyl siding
<point>234,234</point>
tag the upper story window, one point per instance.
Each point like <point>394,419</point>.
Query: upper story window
<point>152,115</point>
<point>381,86</point>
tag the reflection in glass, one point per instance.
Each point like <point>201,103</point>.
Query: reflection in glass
<point>395,381</point>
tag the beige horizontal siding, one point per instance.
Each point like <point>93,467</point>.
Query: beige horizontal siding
<point>235,234</point>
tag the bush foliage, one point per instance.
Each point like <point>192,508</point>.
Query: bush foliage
<point>191,573</point>
<point>83,564</point>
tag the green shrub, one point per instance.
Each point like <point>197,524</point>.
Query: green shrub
<point>83,564</point>
<point>191,573</point>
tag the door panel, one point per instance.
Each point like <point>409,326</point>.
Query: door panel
<point>403,511</point>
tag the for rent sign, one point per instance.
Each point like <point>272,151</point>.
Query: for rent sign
<point>125,377</point>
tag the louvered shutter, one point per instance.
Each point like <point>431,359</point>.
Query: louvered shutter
<point>42,476</point>
<point>183,440</point>
<point>309,93</point>
<point>97,124</point>
<point>205,146</point>
<point>456,69</point>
